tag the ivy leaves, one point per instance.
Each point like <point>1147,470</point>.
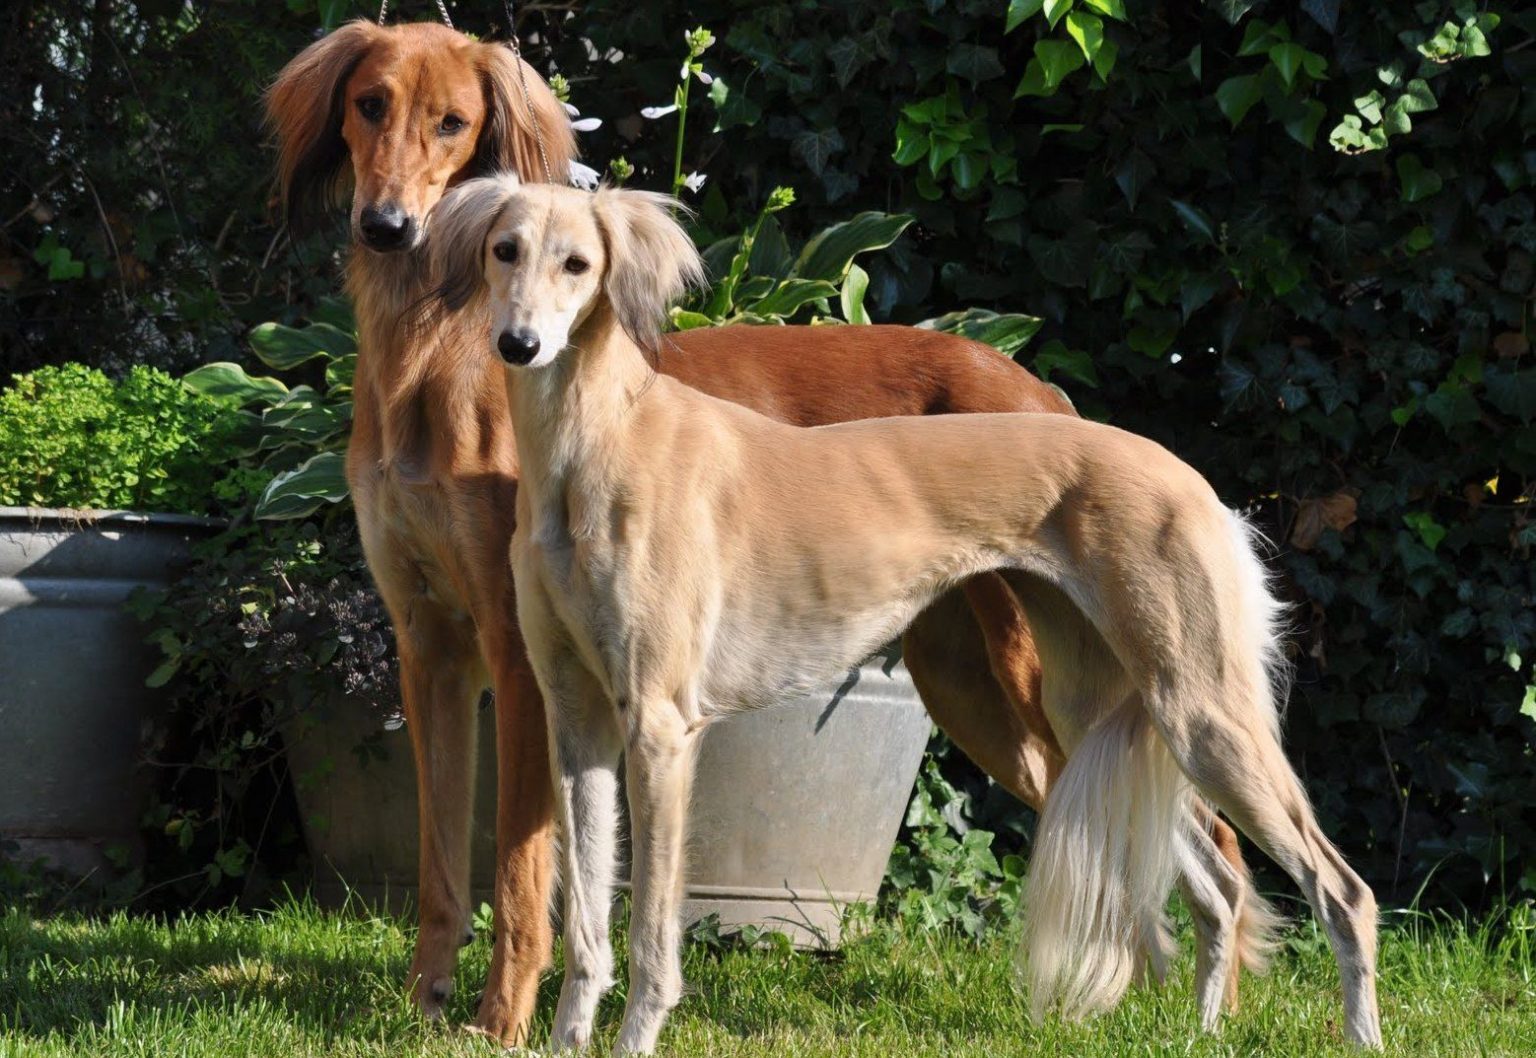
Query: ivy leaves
<point>1054,58</point>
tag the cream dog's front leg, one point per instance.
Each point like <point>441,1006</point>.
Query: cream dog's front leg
<point>659,762</point>
<point>585,743</point>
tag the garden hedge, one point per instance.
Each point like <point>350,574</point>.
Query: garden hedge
<point>1294,242</point>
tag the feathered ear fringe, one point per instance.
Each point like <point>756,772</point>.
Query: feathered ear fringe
<point>651,260</point>
<point>305,107</point>
<point>455,248</point>
<point>508,141</point>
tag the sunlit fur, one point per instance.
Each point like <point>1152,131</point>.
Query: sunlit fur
<point>434,470</point>
<point>680,558</point>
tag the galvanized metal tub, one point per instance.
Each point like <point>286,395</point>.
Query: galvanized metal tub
<point>794,812</point>
<point>72,666</point>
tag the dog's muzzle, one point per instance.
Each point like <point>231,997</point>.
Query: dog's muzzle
<point>518,347</point>
<point>385,228</point>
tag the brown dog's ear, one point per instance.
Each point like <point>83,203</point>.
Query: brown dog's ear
<point>651,259</point>
<point>507,140</point>
<point>456,236</point>
<point>305,107</point>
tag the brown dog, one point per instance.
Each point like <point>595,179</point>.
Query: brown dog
<point>400,114</point>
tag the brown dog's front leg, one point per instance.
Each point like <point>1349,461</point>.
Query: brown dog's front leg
<point>524,874</point>
<point>439,688</point>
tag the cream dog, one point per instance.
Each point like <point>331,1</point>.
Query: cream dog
<point>679,558</point>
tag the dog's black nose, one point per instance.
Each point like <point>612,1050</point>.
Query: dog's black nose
<point>519,346</point>
<point>384,227</point>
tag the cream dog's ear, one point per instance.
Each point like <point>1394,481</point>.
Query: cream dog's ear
<point>651,259</point>
<point>456,234</point>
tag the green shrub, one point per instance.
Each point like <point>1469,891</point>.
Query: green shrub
<point>72,437</point>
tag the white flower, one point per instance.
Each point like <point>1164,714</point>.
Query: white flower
<point>694,181</point>
<point>584,176</point>
<point>572,111</point>
<point>652,113</point>
<point>587,124</point>
<point>705,78</point>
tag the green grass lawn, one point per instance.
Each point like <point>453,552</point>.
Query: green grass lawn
<point>298,981</point>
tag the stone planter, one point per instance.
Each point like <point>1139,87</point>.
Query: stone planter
<point>72,698</point>
<point>794,808</point>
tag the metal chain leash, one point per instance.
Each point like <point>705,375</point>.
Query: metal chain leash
<point>522,78</point>
<point>522,74</point>
<point>442,9</point>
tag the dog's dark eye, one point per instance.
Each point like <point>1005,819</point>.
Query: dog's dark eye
<point>505,251</point>
<point>371,108</point>
<point>576,265</point>
<point>451,123</point>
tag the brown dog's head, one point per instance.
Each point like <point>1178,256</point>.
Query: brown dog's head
<point>545,259</point>
<point>416,108</point>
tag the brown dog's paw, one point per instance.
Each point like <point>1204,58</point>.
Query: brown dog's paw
<point>499,1023</point>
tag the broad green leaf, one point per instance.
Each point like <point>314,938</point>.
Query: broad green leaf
<point>684,320</point>
<point>852,295</point>
<point>1057,58</point>
<point>942,152</point>
<point>974,62</point>
<point>1088,31</point>
<point>1054,356</point>
<point>770,254</point>
<point>339,372</point>
<point>1303,129</point>
<point>283,348</point>
<point>1237,95</point>
<point>1232,10</point>
<point>1417,96</point>
<point>1108,8</point>
<point>229,382</point>
<point>300,492</point>
<point>791,294</point>
<point>1054,9</point>
<point>1006,332</point>
<point>1033,81</point>
<point>163,673</point>
<point>1429,530</point>
<point>1104,62</point>
<point>1259,37</point>
<point>1018,11</point>
<point>829,252</point>
<point>1418,182</point>
<point>1369,105</point>
<point>1195,219</point>
<point>1287,59</point>
<point>968,170</point>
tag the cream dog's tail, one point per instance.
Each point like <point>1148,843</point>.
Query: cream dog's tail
<point>1109,842</point>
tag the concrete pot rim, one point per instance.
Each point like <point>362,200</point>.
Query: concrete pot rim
<point>78,518</point>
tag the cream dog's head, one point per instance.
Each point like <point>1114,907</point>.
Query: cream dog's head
<point>546,259</point>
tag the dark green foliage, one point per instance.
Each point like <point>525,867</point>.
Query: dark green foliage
<point>1293,242</point>
<point>72,437</point>
<point>1337,333</point>
<point>136,192</point>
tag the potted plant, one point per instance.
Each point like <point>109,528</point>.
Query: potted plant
<point>104,485</point>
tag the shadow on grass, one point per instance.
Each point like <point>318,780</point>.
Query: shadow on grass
<point>325,975</point>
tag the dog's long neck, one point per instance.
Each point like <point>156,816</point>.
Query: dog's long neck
<point>409,375</point>
<point>571,418</point>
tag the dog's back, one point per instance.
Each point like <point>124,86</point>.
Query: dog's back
<point>810,376</point>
